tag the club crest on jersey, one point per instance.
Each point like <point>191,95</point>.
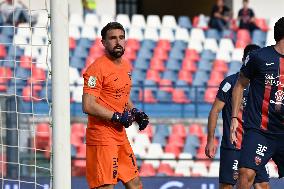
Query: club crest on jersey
<point>257,160</point>
<point>92,82</point>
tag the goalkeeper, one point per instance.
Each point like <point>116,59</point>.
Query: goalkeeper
<point>107,85</point>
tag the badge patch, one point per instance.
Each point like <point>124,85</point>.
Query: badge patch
<point>226,87</point>
<point>257,160</point>
<point>92,82</point>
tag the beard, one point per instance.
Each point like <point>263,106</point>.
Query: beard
<point>116,52</point>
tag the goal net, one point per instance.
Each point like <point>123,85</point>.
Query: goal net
<point>25,95</point>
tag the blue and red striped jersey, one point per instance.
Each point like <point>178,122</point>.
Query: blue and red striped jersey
<point>265,111</point>
<point>225,94</point>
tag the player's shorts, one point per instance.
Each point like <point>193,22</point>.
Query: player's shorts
<point>258,148</point>
<point>229,170</point>
<point>107,164</point>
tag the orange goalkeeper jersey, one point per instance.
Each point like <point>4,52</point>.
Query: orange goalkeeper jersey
<point>111,84</point>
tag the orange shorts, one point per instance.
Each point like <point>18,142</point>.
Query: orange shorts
<point>107,164</point>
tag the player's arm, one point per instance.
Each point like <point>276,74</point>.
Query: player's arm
<point>130,104</point>
<point>217,107</point>
<point>91,107</point>
<point>237,96</point>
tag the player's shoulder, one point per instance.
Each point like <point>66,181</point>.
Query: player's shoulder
<point>262,51</point>
<point>96,65</point>
<point>231,78</point>
<point>229,82</point>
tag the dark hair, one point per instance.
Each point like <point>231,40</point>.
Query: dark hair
<point>279,29</point>
<point>249,48</point>
<point>111,26</point>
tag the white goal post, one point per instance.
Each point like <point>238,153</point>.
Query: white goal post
<point>60,94</point>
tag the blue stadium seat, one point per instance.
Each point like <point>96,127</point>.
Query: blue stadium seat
<point>22,73</point>
<point>227,33</point>
<point>170,75</point>
<point>162,130</point>
<point>77,62</point>
<point>258,37</point>
<point>160,139</point>
<point>179,44</point>
<point>5,39</point>
<point>84,43</point>
<point>204,65</point>
<point>184,22</point>
<point>212,33</point>
<point>164,96</point>
<point>176,54</point>
<point>148,44</point>
<point>144,53</point>
<point>207,55</point>
<point>149,84</point>
<point>173,64</point>
<point>8,31</point>
<point>138,75</point>
<point>141,64</point>
<point>15,51</point>
<point>80,52</point>
<point>180,84</point>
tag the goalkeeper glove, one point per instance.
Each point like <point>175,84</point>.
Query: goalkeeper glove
<point>125,118</point>
<point>141,118</point>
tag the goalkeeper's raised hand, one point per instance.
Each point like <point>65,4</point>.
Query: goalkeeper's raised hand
<point>125,118</point>
<point>141,118</point>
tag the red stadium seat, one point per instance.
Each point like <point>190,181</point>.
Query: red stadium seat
<point>147,170</point>
<point>157,64</point>
<point>38,74</point>
<point>166,85</point>
<point>43,135</point>
<point>72,43</point>
<point>129,54</point>
<point>79,165</point>
<point>179,96</point>
<point>96,51</point>
<point>243,35</point>
<point>241,44</point>
<point>176,140</point>
<point>192,54</point>
<point>133,44</point>
<point>78,129</point>
<point>147,96</point>
<point>3,84</point>
<point>29,94</point>
<point>164,44</point>
<point>5,72</point>
<point>188,65</point>
<point>220,66</point>
<point>179,129</point>
<point>261,23</point>
<point>3,52</point>
<point>161,54</point>
<point>185,75</point>
<point>26,62</point>
<point>98,42</point>
<point>210,94</point>
<point>195,21</point>
<point>153,75</point>
<point>196,129</point>
<point>165,169</point>
<point>172,149</point>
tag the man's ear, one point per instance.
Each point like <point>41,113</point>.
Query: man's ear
<point>103,42</point>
